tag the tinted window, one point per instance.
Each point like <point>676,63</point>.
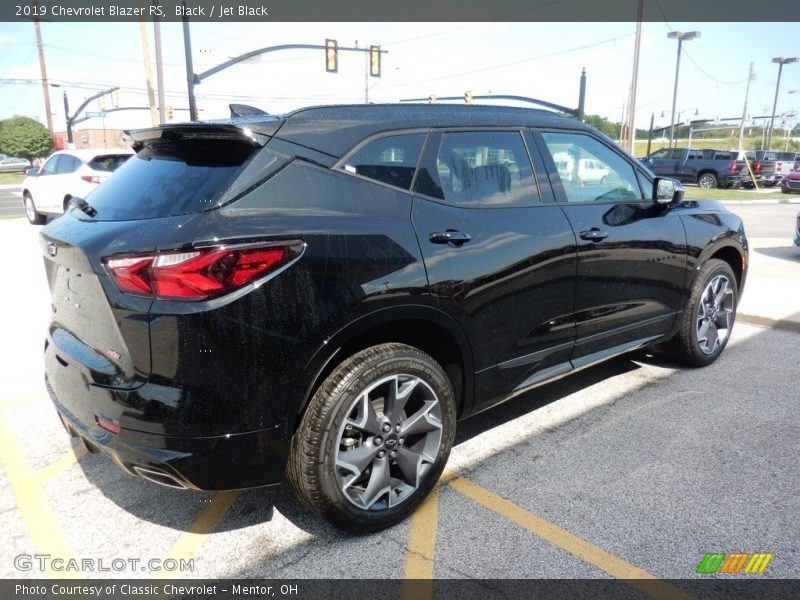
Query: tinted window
<point>391,159</point>
<point>67,164</point>
<point>170,178</point>
<point>482,168</point>
<point>108,162</point>
<point>618,184</point>
<point>660,154</point>
<point>50,166</point>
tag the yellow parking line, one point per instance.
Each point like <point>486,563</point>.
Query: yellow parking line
<point>190,541</point>
<point>614,566</point>
<point>421,549</point>
<point>45,533</point>
<point>62,464</point>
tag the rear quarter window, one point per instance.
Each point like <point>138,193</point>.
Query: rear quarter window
<point>390,159</point>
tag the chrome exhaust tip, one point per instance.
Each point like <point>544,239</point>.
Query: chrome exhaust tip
<point>159,477</point>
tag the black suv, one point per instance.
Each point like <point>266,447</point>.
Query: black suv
<point>321,296</point>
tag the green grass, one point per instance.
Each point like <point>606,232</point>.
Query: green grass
<point>9,178</point>
<point>697,193</point>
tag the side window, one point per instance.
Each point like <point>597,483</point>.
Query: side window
<point>49,167</point>
<point>660,154</point>
<point>618,183</point>
<point>67,164</point>
<point>390,159</point>
<point>489,168</point>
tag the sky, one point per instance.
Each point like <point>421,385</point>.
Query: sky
<point>540,60</point>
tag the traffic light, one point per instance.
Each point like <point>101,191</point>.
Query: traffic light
<point>468,97</point>
<point>331,56</point>
<point>115,98</point>
<point>169,112</point>
<point>101,103</point>
<point>432,99</point>
<point>374,61</point>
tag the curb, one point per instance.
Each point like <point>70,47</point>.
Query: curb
<point>11,186</point>
<point>783,324</point>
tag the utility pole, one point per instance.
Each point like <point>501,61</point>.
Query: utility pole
<point>159,69</point>
<point>634,79</point>
<point>187,48</point>
<point>744,110</point>
<point>43,69</point>
<point>148,72</point>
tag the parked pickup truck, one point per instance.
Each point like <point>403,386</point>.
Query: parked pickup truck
<point>762,165</point>
<point>706,167</point>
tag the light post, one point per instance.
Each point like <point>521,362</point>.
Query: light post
<point>681,37</point>
<point>780,61</point>
<point>70,120</point>
<point>789,115</point>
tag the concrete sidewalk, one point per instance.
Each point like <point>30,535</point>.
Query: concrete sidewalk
<point>772,291</point>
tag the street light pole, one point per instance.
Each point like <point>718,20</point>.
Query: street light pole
<point>68,120</point>
<point>680,36</point>
<point>780,61</point>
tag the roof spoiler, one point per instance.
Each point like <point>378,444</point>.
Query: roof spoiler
<point>258,133</point>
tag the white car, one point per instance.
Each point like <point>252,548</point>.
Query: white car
<point>65,175</point>
<point>592,170</point>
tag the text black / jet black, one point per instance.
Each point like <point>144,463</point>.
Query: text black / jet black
<point>323,295</point>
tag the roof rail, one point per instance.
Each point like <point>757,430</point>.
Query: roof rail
<point>576,112</point>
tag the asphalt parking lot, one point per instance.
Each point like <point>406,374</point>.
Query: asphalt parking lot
<point>633,469</point>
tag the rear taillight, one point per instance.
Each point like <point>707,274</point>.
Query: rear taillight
<point>757,166</point>
<point>201,273</point>
<point>732,167</point>
<point>92,179</point>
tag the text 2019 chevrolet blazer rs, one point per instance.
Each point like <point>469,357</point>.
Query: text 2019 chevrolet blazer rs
<point>321,296</point>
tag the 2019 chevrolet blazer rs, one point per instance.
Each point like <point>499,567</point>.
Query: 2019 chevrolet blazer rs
<point>321,296</point>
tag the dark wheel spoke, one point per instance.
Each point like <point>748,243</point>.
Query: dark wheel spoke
<point>366,419</point>
<point>410,464</point>
<point>399,393</point>
<point>357,459</point>
<point>379,483</point>
<point>421,421</point>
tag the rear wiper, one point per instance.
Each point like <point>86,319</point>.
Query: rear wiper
<point>83,205</point>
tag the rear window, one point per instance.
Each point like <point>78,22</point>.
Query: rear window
<point>108,162</point>
<point>170,178</point>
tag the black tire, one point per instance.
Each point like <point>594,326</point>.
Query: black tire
<point>34,216</point>
<point>708,181</point>
<point>685,347</point>
<point>322,438</point>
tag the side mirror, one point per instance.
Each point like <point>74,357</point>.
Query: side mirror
<point>32,172</point>
<point>667,191</point>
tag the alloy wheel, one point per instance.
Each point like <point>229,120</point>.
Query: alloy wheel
<point>388,442</point>
<point>714,314</point>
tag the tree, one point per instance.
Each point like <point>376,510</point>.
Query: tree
<point>603,124</point>
<point>25,137</point>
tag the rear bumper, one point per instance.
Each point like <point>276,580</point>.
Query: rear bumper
<point>233,461</point>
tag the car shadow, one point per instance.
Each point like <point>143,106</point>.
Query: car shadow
<point>791,253</point>
<point>178,509</point>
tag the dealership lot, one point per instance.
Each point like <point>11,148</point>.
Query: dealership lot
<point>630,469</point>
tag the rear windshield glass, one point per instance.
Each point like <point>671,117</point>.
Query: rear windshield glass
<point>169,179</point>
<point>108,162</point>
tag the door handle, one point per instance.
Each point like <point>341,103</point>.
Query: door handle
<point>594,235</point>
<point>449,236</point>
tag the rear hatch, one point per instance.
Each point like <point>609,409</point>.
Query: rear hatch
<point>99,336</point>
